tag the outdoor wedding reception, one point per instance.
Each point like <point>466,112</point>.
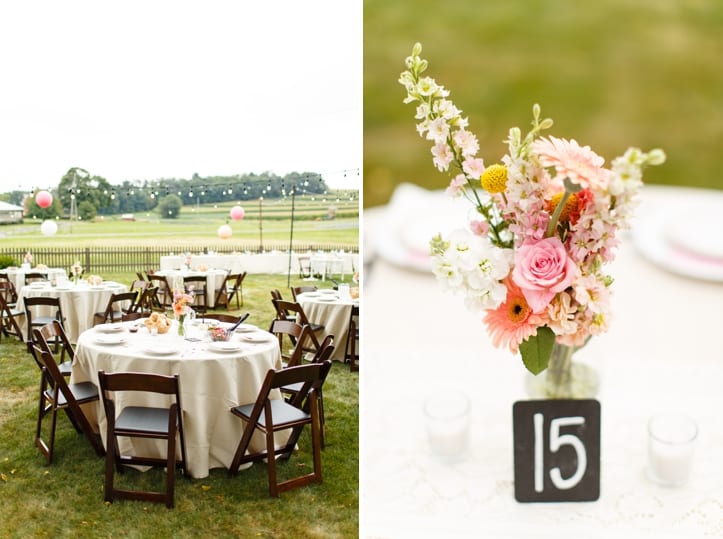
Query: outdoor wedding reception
<point>180,269</point>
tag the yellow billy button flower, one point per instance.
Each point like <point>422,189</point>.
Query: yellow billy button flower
<point>494,179</point>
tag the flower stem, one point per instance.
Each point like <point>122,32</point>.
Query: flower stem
<point>556,214</point>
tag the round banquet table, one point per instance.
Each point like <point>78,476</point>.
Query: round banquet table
<point>326,307</point>
<point>78,302</point>
<point>17,275</point>
<point>212,382</point>
<point>663,351</point>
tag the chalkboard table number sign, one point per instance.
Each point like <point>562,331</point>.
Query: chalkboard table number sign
<point>557,450</point>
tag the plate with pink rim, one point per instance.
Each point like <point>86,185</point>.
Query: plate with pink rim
<point>108,328</point>
<point>110,339</point>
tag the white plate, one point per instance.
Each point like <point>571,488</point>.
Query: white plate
<point>96,287</point>
<point>412,218</point>
<point>160,350</point>
<point>650,238</point>
<point>108,328</point>
<point>311,294</point>
<point>246,328</point>
<point>37,285</point>
<point>323,291</point>
<point>110,339</point>
<point>255,337</point>
<point>224,346</point>
<point>327,299</point>
<point>697,229</point>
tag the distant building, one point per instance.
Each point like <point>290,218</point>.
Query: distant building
<point>10,213</point>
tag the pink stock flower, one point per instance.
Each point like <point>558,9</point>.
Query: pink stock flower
<point>480,228</point>
<point>542,269</point>
<point>455,186</point>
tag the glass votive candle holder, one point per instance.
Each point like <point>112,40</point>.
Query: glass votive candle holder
<point>671,444</point>
<point>446,415</point>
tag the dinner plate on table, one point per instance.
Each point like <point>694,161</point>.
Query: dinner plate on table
<point>160,350</point>
<point>324,291</point>
<point>224,346</point>
<point>684,239</point>
<point>108,328</point>
<point>255,337</point>
<point>246,328</point>
<point>311,294</point>
<point>110,339</point>
<point>328,299</point>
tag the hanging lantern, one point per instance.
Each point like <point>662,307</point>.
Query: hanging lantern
<point>237,213</point>
<point>49,228</point>
<point>43,199</point>
<point>224,232</point>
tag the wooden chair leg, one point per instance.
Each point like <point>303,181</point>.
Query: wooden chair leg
<point>271,461</point>
<point>171,469</point>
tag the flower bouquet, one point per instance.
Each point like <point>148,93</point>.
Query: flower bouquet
<point>76,270</point>
<point>546,222</point>
<point>181,308</point>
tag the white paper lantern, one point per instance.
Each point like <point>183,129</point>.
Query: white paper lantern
<point>224,232</point>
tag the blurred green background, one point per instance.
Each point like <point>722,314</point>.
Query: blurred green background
<point>611,73</point>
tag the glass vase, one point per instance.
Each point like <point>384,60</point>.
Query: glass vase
<point>181,318</point>
<point>564,377</point>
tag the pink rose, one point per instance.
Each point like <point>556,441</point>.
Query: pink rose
<point>542,269</point>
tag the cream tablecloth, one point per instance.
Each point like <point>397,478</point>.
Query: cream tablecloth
<point>268,263</point>
<point>78,302</point>
<point>211,383</point>
<point>664,351</point>
<point>326,308</point>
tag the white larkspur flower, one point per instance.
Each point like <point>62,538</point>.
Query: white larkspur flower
<point>466,142</point>
<point>438,130</point>
<point>427,86</point>
<point>443,156</point>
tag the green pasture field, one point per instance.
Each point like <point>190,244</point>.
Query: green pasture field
<point>198,225</point>
<point>611,74</point>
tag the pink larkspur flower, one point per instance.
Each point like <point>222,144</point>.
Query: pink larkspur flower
<point>466,142</point>
<point>456,185</point>
<point>578,163</point>
<point>473,167</point>
<point>443,156</point>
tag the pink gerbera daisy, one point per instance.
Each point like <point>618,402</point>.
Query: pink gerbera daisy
<point>513,321</point>
<point>578,163</point>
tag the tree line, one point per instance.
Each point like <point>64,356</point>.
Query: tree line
<point>89,195</point>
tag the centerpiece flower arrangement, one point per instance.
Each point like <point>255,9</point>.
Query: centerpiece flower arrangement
<point>181,308</point>
<point>76,270</point>
<point>546,222</point>
<point>28,258</point>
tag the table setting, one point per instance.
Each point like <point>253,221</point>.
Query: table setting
<point>441,446</point>
<point>218,369</point>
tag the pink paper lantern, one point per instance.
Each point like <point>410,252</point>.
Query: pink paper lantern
<point>237,213</point>
<point>224,232</point>
<point>43,199</point>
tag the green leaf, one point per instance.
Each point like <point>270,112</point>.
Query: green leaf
<point>536,350</point>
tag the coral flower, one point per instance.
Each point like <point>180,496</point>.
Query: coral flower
<point>513,321</point>
<point>578,163</point>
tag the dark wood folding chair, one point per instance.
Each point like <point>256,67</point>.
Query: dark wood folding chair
<point>270,415</point>
<point>118,305</point>
<point>34,307</point>
<point>221,317</point>
<point>8,290</point>
<point>164,290</point>
<point>296,290</point>
<point>9,313</point>
<point>62,349</point>
<point>142,422</point>
<point>195,285</point>
<point>140,276</point>
<point>231,288</point>
<point>35,277</point>
<point>352,337</point>
<point>57,394</point>
<point>322,356</point>
<point>296,334</point>
<point>148,302</point>
<point>286,310</point>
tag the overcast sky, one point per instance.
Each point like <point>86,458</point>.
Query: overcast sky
<point>153,89</point>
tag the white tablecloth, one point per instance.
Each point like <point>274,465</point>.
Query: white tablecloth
<point>211,384</point>
<point>78,302</point>
<point>664,351</point>
<point>333,315</point>
<point>17,275</point>
<point>229,262</point>
<point>214,280</point>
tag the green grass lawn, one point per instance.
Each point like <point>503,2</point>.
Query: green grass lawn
<point>66,498</point>
<point>611,73</point>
